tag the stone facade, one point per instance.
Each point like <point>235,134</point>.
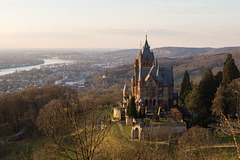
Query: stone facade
<point>151,85</point>
<point>120,111</point>
<point>117,113</point>
<point>158,131</point>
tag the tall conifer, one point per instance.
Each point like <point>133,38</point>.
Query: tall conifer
<point>218,78</point>
<point>207,90</point>
<point>186,88</point>
<point>230,70</point>
<point>131,109</point>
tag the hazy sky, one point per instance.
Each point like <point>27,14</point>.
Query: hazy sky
<point>118,23</point>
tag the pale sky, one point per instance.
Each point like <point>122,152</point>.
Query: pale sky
<point>118,23</point>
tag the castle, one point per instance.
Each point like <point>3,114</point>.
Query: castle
<point>151,85</point>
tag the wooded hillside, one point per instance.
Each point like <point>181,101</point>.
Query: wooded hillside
<point>194,64</point>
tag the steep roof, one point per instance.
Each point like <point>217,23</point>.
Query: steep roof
<point>146,54</point>
<point>166,76</point>
<point>157,73</point>
<point>142,74</point>
<point>152,73</point>
<point>160,74</point>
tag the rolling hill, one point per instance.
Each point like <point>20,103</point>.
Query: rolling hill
<point>194,64</point>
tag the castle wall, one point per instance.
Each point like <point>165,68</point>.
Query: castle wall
<point>156,131</point>
<point>117,113</point>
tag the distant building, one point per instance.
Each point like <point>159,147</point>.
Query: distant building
<point>58,82</point>
<point>104,76</point>
<point>120,111</point>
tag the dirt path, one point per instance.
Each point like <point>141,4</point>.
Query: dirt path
<point>123,133</point>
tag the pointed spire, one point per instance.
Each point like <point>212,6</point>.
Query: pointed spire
<point>146,33</point>
<point>146,46</point>
<point>125,87</point>
<point>146,53</point>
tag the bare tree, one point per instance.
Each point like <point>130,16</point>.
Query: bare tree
<point>192,144</point>
<point>230,127</point>
<point>72,133</point>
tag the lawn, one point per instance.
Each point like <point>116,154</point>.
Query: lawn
<point>216,153</point>
<point>224,139</point>
<point>18,150</point>
<point>24,149</point>
<point>127,129</point>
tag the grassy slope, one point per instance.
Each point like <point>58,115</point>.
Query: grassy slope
<point>116,146</point>
<point>18,150</point>
<point>127,129</point>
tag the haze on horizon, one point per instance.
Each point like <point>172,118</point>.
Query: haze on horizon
<point>118,24</point>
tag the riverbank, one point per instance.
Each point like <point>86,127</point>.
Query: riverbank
<point>26,64</point>
<point>27,68</point>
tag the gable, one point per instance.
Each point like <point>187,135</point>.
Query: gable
<point>150,81</point>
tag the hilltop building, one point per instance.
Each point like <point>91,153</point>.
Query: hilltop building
<point>151,85</point>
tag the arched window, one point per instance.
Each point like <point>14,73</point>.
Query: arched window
<point>136,133</point>
<point>154,102</point>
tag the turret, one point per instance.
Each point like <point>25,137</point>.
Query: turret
<point>125,91</point>
<point>125,96</point>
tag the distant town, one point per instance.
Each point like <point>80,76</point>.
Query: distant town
<point>75,74</point>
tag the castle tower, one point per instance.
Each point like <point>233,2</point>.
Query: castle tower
<point>125,96</point>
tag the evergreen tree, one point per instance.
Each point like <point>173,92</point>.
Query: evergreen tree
<point>207,89</point>
<point>192,101</point>
<point>218,78</point>
<point>186,87</point>
<point>224,101</point>
<point>131,108</point>
<point>230,70</point>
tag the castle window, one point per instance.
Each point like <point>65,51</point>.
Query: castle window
<point>149,93</point>
<point>146,102</point>
<point>154,102</point>
<point>160,92</point>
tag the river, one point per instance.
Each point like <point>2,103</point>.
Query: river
<point>27,68</point>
